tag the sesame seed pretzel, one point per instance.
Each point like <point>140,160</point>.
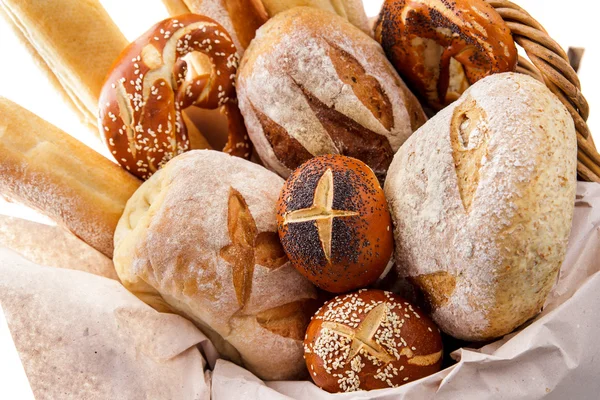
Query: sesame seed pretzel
<point>157,77</point>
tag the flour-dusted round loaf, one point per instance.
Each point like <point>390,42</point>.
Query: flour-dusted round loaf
<point>200,238</point>
<point>482,199</point>
<point>311,84</point>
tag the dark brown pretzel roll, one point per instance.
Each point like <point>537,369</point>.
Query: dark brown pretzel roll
<point>442,47</point>
<point>370,340</point>
<point>181,62</point>
<point>334,223</point>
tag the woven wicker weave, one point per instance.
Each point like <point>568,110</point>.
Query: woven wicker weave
<point>550,64</point>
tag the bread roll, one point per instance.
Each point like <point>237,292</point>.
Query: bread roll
<point>334,223</point>
<point>482,198</point>
<point>370,340</point>
<point>46,169</point>
<point>303,93</point>
<point>201,235</point>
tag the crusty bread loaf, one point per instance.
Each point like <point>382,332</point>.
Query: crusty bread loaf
<point>74,41</point>
<point>200,236</point>
<point>482,198</point>
<point>45,168</point>
<point>304,93</point>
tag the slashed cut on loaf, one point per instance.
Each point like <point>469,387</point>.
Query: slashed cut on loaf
<point>482,198</point>
<point>311,84</point>
<point>200,238</point>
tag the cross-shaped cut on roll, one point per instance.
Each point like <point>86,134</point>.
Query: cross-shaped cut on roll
<point>368,340</point>
<point>334,223</point>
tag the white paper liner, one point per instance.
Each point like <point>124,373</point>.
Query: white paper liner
<point>82,336</point>
<point>146,354</point>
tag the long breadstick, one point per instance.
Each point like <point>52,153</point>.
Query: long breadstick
<point>46,169</point>
<point>74,41</point>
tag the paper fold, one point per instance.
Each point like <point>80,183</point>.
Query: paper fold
<point>60,318</point>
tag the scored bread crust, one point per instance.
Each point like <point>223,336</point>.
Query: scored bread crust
<point>178,246</point>
<point>294,81</point>
<point>482,198</point>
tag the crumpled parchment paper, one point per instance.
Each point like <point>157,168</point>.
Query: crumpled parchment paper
<point>82,336</point>
<point>86,336</point>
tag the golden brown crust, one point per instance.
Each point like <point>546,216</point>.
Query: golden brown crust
<point>181,62</point>
<point>334,223</point>
<point>247,16</point>
<point>370,340</point>
<point>47,169</point>
<point>442,47</point>
<point>73,42</point>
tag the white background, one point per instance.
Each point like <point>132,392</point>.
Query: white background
<point>571,23</point>
<point>20,80</point>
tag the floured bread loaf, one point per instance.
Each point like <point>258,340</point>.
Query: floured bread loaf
<point>482,198</point>
<point>201,235</point>
<point>304,93</point>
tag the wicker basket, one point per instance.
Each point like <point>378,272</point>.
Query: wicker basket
<point>549,63</point>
